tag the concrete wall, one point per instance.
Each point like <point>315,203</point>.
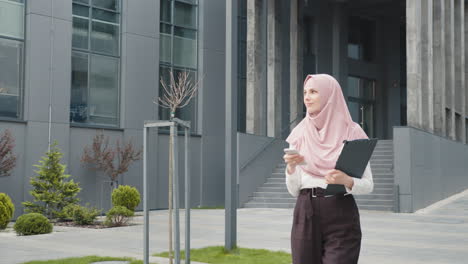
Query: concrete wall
<point>264,154</point>
<point>428,168</point>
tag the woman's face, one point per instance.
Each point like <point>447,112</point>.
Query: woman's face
<point>311,100</point>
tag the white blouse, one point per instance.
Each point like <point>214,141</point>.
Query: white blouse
<point>302,180</point>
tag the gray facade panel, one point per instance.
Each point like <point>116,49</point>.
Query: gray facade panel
<point>140,71</point>
<point>214,25</point>
<point>141,17</point>
<point>37,146</point>
<point>249,146</point>
<point>402,159</point>
<point>61,8</point>
<point>61,72</point>
<point>95,184</point>
<point>437,167</point>
<point>38,45</point>
<point>213,129</point>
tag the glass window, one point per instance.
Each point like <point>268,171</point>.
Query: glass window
<point>107,4</point>
<point>12,19</point>
<point>105,38</point>
<point>95,62</point>
<point>101,34</point>
<point>186,55</point>
<point>10,77</point>
<point>103,89</point>
<point>361,39</point>
<point>361,88</point>
<point>11,57</point>
<point>80,33</point>
<point>178,49</point>
<point>166,11</point>
<point>185,15</point>
<point>79,88</point>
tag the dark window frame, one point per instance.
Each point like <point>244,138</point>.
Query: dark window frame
<point>21,85</point>
<point>89,52</point>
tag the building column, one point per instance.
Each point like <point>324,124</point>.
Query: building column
<point>296,82</point>
<point>340,43</point>
<point>413,51</point>
<point>465,50</point>
<point>427,88</point>
<point>256,101</point>
<point>438,64</point>
<point>274,70</point>
<point>460,108</point>
<point>449,69</point>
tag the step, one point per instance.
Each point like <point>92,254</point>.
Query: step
<point>272,200</point>
<point>379,170</point>
<point>279,171</point>
<point>386,175</point>
<point>378,185</point>
<point>374,202</point>
<point>375,207</point>
<point>276,180</point>
<point>272,195</point>
<point>269,205</point>
<point>283,184</point>
<point>381,161</point>
<point>374,196</point>
<point>378,180</point>
<point>388,191</point>
<point>381,166</point>
<point>273,189</point>
<point>382,153</point>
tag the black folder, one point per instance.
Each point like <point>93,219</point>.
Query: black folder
<point>353,161</point>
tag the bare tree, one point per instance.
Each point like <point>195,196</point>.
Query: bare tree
<point>7,157</point>
<point>177,94</point>
<point>112,161</point>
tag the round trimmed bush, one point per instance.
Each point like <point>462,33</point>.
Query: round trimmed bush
<point>32,224</point>
<point>118,215</point>
<point>126,196</point>
<point>7,209</point>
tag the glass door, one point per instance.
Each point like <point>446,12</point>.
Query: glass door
<point>361,103</point>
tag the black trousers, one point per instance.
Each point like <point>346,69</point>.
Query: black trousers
<point>325,230</point>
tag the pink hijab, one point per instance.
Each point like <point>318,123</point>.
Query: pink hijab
<point>319,138</point>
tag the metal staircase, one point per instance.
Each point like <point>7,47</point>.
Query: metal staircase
<point>273,193</point>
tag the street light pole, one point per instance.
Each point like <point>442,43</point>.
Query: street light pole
<point>231,126</point>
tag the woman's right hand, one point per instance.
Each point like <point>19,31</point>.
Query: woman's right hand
<point>291,161</point>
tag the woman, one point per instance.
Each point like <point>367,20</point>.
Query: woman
<point>326,228</point>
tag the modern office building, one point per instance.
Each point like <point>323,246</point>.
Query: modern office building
<point>72,68</point>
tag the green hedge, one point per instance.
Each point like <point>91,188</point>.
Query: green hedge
<point>81,215</point>
<point>32,224</point>
<point>7,209</point>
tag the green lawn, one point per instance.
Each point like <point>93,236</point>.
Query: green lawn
<point>217,255</point>
<point>83,260</point>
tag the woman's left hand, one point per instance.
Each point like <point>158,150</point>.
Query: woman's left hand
<point>339,177</point>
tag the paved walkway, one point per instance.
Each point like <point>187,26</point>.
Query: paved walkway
<point>438,235</point>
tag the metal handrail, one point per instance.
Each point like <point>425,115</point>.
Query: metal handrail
<point>266,145</point>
